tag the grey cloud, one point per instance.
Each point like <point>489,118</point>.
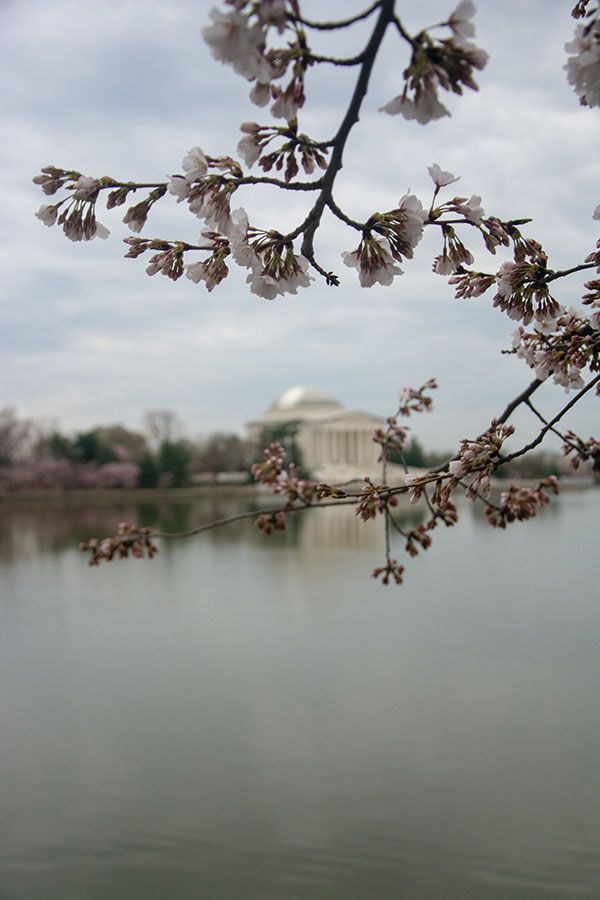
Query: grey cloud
<point>127,88</point>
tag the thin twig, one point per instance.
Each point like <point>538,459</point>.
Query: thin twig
<point>554,275</point>
<point>278,182</point>
<point>336,61</point>
<point>251,514</point>
<point>395,525</point>
<point>523,397</point>
<point>548,427</point>
<point>402,31</point>
<point>544,421</point>
<point>341,23</point>
<point>359,226</point>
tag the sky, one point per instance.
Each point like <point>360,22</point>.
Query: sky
<point>125,88</point>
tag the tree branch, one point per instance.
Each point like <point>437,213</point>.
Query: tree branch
<point>286,185</point>
<point>549,425</point>
<point>523,397</point>
<point>350,119</point>
<point>341,23</point>
<point>554,275</point>
<point>337,61</point>
<point>251,514</point>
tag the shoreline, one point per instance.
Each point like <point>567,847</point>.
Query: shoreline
<point>81,496</point>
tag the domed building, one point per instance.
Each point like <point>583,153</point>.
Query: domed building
<point>335,443</point>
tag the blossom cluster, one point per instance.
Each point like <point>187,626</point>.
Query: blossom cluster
<point>239,38</point>
<point>391,570</point>
<point>415,400</point>
<point>311,154</point>
<point>478,459</point>
<point>397,233</point>
<point>522,292</point>
<point>583,65</point>
<point>563,348</point>
<point>268,523</point>
<point>78,218</point>
<point>446,64</point>
<point>273,473</point>
<point>392,439</point>
<point>373,499</point>
<point>130,540</point>
<point>519,503</point>
<point>274,268</point>
<point>579,451</point>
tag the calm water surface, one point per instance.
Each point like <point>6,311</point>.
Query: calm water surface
<point>255,719</point>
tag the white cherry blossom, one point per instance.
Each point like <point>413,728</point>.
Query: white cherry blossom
<point>415,218</point>
<point>249,149</point>
<point>374,261</point>
<point>102,231</point>
<point>503,278</point>
<point>285,105</point>
<point>260,93</point>
<point>179,187</point>
<point>47,214</point>
<point>86,188</point>
<point>471,209</point>
<point>460,20</point>
<point>298,278</point>
<point>583,67</point>
<point>424,109</point>
<point>237,233</point>
<point>263,285</point>
<point>273,12</point>
<point>233,40</point>
<point>441,178</point>
<point>213,207</point>
<point>194,164</point>
<point>444,265</point>
<point>596,213</point>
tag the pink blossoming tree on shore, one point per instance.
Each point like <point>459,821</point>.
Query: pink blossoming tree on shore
<point>267,42</point>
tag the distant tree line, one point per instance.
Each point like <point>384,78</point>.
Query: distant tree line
<point>38,456</point>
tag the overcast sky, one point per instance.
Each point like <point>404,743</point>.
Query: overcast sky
<point>126,88</point>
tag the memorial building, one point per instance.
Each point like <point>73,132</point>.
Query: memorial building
<point>336,444</point>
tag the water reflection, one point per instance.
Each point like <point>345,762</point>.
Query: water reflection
<point>248,719</point>
<point>33,527</point>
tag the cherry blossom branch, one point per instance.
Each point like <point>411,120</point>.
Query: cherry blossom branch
<point>359,226</point>
<point>549,425</point>
<point>552,276</point>
<point>277,182</point>
<point>350,119</point>
<point>251,514</point>
<point>523,397</point>
<point>337,61</point>
<point>402,31</point>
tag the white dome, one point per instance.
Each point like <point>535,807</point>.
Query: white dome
<point>300,396</point>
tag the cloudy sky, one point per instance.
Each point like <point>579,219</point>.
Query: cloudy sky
<point>126,87</point>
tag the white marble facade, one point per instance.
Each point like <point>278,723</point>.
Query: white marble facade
<point>336,442</point>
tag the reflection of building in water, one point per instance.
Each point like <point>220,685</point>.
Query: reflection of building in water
<point>338,529</point>
<point>336,443</point>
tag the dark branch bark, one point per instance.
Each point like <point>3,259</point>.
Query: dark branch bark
<point>549,426</point>
<point>336,61</point>
<point>311,223</point>
<point>341,23</point>
<point>523,397</point>
<point>554,275</point>
<point>251,514</point>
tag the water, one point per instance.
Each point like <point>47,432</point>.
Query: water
<point>249,718</point>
